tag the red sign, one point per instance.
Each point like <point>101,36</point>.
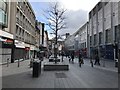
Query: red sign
<point>9,41</point>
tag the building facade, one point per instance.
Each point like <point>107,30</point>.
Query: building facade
<point>103,30</point>
<point>24,26</point>
<point>20,33</point>
<point>78,41</point>
<point>6,35</point>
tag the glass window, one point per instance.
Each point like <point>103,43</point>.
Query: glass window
<point>3,17</point>
<point>95,39</point>
<point>116,33</point>
<point>108,36</point>
<point>3,5</point>
<point>19,31</point>
<point>16,29</point>
<point>100,38</point>
<point>90,40</point>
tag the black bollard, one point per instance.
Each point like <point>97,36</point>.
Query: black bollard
<point>18,63</point>
<point>7,62</point>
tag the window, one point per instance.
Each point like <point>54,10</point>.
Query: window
<point>19,31</point>
<point>108,36</point>
<point>22,32</point>
<point>3,17</point>
<point>90,40</point>
<point>100,38</point>
<point>3,5</point>
<point>116,33</point>
<point>95,39</point>
<point>16,29</point>
<point>3,14</point>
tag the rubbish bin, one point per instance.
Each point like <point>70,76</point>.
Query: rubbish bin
<point>36,68</point>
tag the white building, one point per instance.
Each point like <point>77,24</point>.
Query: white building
<point>78,41</point>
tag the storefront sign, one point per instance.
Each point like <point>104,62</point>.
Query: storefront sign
<point>6,42</point>
<point>19,44</point>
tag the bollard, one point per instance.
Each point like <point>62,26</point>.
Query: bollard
<point>18,63</point>
<point>7,62</point>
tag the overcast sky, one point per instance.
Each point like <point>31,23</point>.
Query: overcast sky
<point>77,12</point>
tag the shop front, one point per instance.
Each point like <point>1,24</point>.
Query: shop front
<point>19,50</point>
<point>6,47</point>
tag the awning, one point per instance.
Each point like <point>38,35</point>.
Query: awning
<point>19,46</point>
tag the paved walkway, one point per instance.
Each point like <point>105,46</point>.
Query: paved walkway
<point>76,77</point>
<point>105,65</point>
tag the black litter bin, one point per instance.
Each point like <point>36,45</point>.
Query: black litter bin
<point>36,68</point>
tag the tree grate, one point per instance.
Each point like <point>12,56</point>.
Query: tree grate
<point>60,75</point>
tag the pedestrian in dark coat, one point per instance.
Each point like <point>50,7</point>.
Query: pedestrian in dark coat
<point>80,58</point>
<point>72,57</point>
<point>62,55</point>
<point>97,60</point>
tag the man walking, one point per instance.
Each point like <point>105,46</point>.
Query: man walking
<point>80,58</point>
<point>97,59</point>
<point>72,57</point>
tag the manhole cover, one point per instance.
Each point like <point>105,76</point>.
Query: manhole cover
<point>60,75</point>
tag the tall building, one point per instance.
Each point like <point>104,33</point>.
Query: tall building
<point>103,30</point>
<point>6,34</point>
<point>37,38</point>
<point>19,37</point>
<point>24,25</point>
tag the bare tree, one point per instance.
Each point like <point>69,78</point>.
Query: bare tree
<point>56,21</point>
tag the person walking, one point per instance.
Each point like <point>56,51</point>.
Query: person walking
<point>62,55</point>
<point>91,61</point>
<point>72,57</point>
<point>80,58</point>
<point>97,60</point>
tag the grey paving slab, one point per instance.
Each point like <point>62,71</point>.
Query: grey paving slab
<point>76,77</point>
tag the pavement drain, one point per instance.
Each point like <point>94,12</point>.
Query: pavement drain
<point>60,75</point>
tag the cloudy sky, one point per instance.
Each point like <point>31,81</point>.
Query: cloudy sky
<point>77,12</point>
